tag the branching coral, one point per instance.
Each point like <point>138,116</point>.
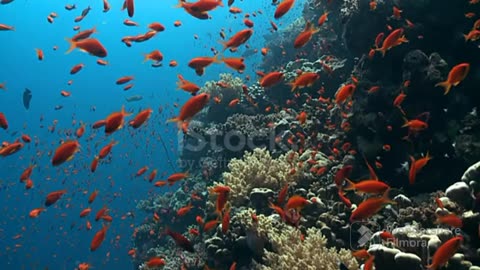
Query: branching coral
<point>258,169</point>
<point>291,252</point>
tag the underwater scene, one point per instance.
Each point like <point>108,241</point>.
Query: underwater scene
<point>240,134</point>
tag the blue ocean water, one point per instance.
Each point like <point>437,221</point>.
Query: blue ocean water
<point>57,239</point>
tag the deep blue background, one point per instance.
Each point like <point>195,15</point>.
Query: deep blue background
<point>58,239</point>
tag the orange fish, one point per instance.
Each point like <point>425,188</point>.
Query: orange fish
<point>445,252</point>
<point>129,4</point>
<point>2,86</point>
<point>106,6</point>
<point>172,179</point>
<point>155,55</point>
<point>233,102</point>
<point>124,80</point>
<point>3,121</point>
<point>344,93</point>
<point>90,45</point>
<point>155,262</point>
<point>36,212</point>
<point>140,118</point>
<point>238,39</point>
<point>155,26</point>
<point>115,121</point>
<point>184,210</point>
<point>415,125</point>
<point>84,34</point>
<point>322,19</point>
<point>306,79</point>
<point>141,171</point>
<point>85,212</point>
<point>283,8</point>
<point>394,39</point>
<point>191,108</point>
<point>226,220</point>
<point>65,152</point>
<point>420,163</point>
<point>53,197</point>
<point>187,85</point>
<point>296,202</point>
<point>455,76</point>
<point>98,238</point>
<point>92,196</point>
<point>305,36</point>
<point>271,79</point>
<point>76,68</point>
<point>94,164</point>
<point>128,22</point>
<point>210,225</point>
<point>450,220</point>
<point>39,54</point>
<point>200,63</point>
<point>11,148</point>
<point>4,27</point>
<point>367,186</point>
<point>106,149</point>
<point>370,207</point>
<point>235,63</point>
<point>27,173</point>
<point>248,23</point>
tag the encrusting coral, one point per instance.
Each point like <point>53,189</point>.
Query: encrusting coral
<point>294,253</point>
<point>258,169</point>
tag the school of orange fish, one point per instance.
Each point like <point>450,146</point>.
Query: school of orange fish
<point>343,99</point>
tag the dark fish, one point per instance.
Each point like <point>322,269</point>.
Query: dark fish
<point>58,107</point>
<point>180,240</point>
<point>230,2</point>
<point>134,98</point>
<point>85,11</point>
<point>27,96</point>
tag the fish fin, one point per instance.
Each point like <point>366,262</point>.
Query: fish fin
<point>72,43</point>
<point>446,85</point>
<point>350,185</point>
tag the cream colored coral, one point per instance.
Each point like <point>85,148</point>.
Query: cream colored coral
<point>258,169</point>
<point>291,253</point>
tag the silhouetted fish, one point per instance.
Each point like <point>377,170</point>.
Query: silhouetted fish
<point>58,107</point>
<point>134,98</point>
<point>27,96</point>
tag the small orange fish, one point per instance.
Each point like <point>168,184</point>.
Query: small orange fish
<point>184,210</point>
<point>322,19</point>
<point>36,212</point>
<point>271,79</point>
<point>155,262</point>
<point>53,197</point>
<point>65,152</point>
<point>370,207</point>
<point>115,121</point>
<point>450,220</point>
<point>445,252</point>
<point>305,36</point>
<point>98,238</point>
<point>456,75</point>
<point>140,118</point>
<point>76,68</point>
<point>306,79</point>
<point>39,54</point>
<point>296,202</point>
<point>283,8</point>
<point>394,39</point>
<point>90,45</point>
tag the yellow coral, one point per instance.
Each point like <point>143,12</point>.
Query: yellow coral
<point>258,169</point>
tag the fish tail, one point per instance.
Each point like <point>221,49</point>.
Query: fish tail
<point>382,50</point>
<point>446,85</point>
<point>350,185</point>
<point>180,4</point>
<point>73,45</point>
<point>292,84</point>
<point>216,60</point>
<point>386,198</point>
<point>220,3</point>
